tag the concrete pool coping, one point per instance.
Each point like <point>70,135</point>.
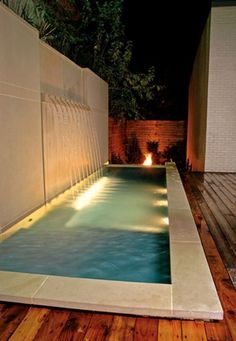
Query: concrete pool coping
<point>191,295</point>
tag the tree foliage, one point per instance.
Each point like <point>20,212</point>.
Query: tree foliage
<point>92,34</point>
<point>53,19</point>
<point>34,14</point>
<point>103,48</point>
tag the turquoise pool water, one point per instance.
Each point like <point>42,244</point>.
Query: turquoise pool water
<point>116,229</point>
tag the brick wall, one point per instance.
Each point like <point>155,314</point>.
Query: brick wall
<point>221,110</point>
<point>117,134</point>
<point>167,133</point>
<point>211,142</point>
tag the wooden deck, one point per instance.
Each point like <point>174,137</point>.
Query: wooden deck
<point>216,197</point>
<point>212,198</point>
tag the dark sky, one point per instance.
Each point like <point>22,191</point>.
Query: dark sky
<point>166,34</point>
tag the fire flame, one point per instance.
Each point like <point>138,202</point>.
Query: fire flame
<point>148,160</point>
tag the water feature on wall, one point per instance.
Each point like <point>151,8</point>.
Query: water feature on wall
<point>70,143</point>
<point>25,166</point>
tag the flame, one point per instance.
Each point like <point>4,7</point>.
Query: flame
<point>148,160</point>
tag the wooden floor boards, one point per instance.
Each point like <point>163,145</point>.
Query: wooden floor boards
<point>217,202</point>
<point>212,199</point>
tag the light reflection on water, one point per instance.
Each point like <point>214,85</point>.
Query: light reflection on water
<point>115,232</point>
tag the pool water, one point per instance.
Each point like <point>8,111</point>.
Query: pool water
<point>115,229</point>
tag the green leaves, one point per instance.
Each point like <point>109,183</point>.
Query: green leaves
<point>92,34</point>
<point>34,14</point>
<point>102,37</point>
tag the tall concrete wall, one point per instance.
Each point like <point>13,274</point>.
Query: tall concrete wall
<point>197,107</point>
<point>221,109</point>
<point>211,142</point>
<point>59,76</point>
<point>39,140</point>
<point>21,171</point>
<point>96,97</point>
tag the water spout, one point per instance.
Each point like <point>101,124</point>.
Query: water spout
<point>71,145</point>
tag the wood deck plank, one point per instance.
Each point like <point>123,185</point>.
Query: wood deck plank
<point>75,327</point>
<point>52,325</point>
<point>223,232</point>
<point>193,331</point>
<point>146,329</point>
<point>169,330</point>
<point>11,317</point>
<point>221,194</point>
<point>122,328</point>
<point>224,286</point>
<point>164,330</point>
<point>222,243</point>
<point>231,179</point>
<point>228,180</point>
<point>99,327</point>
<point>228,188</point>
<point>217,331</point>
<point>225,289</point>
<point>230,196</point>
<point>176,330</point>
<point>30,325</point>
<point>226,228</point>
<point>226,206</point>
<point>205,213</point>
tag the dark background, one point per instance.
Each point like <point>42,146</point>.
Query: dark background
<point>166,34</point>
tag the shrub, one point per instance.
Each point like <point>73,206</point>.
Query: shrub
<point>152,147</point>
<point>132,150</point>
<point>176,153</point>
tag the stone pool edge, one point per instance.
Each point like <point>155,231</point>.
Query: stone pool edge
<point>192,294</point>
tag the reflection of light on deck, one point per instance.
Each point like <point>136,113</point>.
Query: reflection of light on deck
<point>160,203</point>
<point>161,191</point>
<point>85,198</point>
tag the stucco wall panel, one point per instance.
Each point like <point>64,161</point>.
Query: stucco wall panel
<point>59,76</point>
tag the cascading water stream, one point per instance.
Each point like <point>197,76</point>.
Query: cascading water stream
<point>90,148</point>
<point>70,146</point>
<point>75,145</point>
<point>92,141</point>
<point>97,145</point>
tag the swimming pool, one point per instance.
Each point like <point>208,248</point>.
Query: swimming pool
<point>189,292</point>
<point>114,227</point>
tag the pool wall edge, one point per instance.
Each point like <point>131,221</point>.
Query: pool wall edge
<point>194,293</point>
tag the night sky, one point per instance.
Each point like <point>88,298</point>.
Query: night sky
<point>166,34</point>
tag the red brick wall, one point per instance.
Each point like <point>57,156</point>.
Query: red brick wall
<point>166,132</point>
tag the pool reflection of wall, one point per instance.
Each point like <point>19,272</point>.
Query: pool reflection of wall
<point>45,146</point>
